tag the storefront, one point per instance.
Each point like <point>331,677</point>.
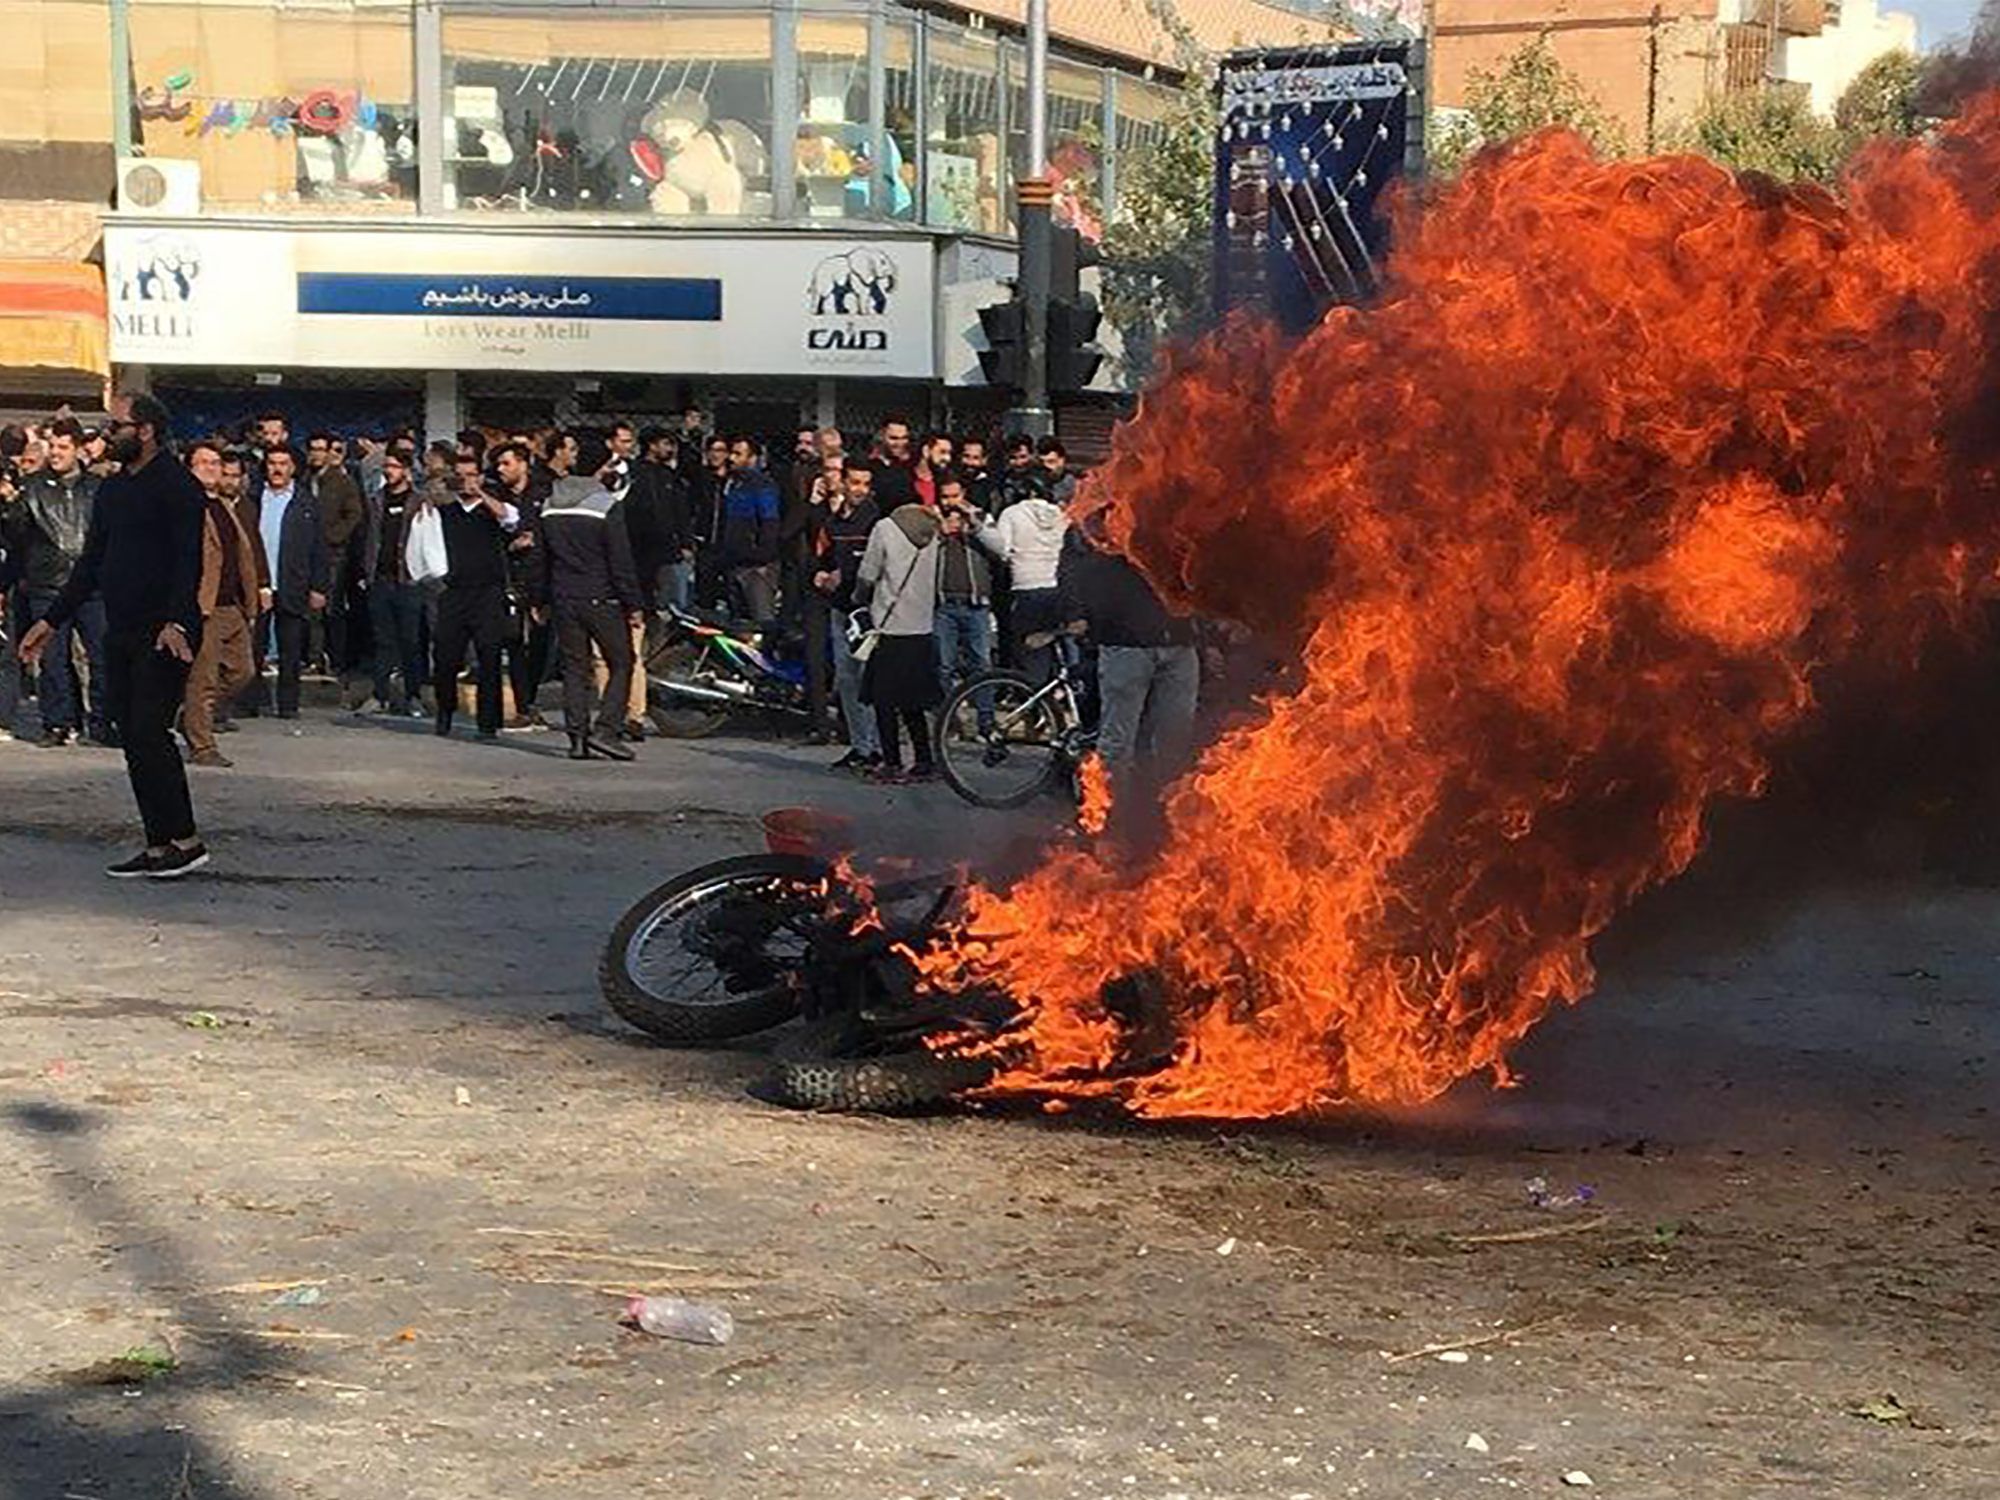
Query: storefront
<point>527,314</point>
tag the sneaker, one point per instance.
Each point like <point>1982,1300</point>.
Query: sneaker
<point>854,760</point>
<point>634,733</point>
<point>519,724</point>
<point>225,726</point>
<point>887,775</point>
<point>924,771</point>
<point>176,862</point>
<point>486,736</point>
<point>54,739</point>
<point>211,758</point>
<point>137,867</point>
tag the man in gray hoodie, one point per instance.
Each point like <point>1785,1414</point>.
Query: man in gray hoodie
<point>898,577</point>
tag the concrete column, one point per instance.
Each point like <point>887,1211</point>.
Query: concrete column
<point>443,416</point>
<point>427,39</point>
<point>784,111</point>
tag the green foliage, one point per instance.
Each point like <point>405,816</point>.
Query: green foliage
<point>1530,90</point>
<point>1882,100</point>
<point>1157,270</point>
<point>1770,130</point>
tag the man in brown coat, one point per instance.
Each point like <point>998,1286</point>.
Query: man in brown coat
<point>235,586</point>
<point>341,516</point>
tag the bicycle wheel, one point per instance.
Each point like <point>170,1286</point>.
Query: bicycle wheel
<point>718,951</point>
<point>1012,756</point>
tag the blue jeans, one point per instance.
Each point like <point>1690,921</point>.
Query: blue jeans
<point>396,613</point>
<point>861,732</point>
<point>965,640</point>
<point>676,585</point>
<point>60,694</point>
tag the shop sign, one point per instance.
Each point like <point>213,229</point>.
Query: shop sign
<point>464,299</point>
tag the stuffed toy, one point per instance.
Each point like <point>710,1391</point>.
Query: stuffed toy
<point>698,160</point>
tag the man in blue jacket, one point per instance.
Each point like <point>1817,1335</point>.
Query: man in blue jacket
<point>750,513</point>
<point>142,555</point>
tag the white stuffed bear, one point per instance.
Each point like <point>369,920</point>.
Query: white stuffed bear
<point>702,161</point>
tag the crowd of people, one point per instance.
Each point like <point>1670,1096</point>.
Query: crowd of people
<point>896,567</point>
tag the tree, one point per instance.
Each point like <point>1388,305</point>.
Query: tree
<point>1769,130</point>
<point>1882,100</point>
<point>1158,251</point>
<point>1530,90</point>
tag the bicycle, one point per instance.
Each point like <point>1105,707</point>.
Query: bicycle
<point>1002,740</point>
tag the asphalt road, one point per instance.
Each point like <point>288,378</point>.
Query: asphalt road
<point>415,1121</point>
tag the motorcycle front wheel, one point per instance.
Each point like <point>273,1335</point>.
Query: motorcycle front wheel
<point>717,952</point>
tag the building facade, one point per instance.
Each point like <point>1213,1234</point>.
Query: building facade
<point>1653,64</point>
<point>485,211</point>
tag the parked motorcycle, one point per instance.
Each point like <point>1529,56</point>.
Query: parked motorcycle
<point>703,671</point>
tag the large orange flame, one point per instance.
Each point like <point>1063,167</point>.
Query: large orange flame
<point>1565,529</point>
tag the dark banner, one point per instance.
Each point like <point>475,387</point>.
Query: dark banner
<point>1309,139</point>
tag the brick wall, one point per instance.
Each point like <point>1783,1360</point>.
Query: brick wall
<point>47,230</point>
<point>1643,62</point>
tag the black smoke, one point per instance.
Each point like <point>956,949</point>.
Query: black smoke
<point>1956,72</point>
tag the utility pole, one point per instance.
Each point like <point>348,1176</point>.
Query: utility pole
<point>1034,193</point>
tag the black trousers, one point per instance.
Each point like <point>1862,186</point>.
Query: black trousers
<point>527,658</point>
<point>143,691</point>
<point>293,633</point>
<point>578,627</point>
<point>818,620</point>
<point>475,614</point>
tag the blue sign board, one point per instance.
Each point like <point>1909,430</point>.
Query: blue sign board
<point>647,299</point>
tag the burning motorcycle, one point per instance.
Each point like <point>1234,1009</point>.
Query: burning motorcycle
<point>746,944</point>
<point>703,671</point>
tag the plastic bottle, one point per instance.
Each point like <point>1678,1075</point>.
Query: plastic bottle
<point>677,1318</point>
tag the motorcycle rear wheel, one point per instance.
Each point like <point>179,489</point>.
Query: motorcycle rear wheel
<point>675,717</point>
<point>831,1065</point>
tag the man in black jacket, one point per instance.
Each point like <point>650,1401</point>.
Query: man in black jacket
<point>1148,670</point>
<point>301,568</point>
<point>586,577</point>
<point>45,529</point>
<point>473,606</point>
<point>838,540</point>
<point>143,555</point>
<point>657,523</point>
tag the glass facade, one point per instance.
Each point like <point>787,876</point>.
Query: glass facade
<point>608,112</point>
<point>964,184</point>
<point>873,112</point>
<point>281,105</point>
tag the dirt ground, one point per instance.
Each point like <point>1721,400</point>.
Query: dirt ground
<point>1784,1282</point>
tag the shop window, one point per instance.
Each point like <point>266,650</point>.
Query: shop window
<point>963,184</point>
<point>280,104</point>
<point>1076,143</point>
<point>590,111</point>
<point>1076,136</point>
<point>845,170</point>
<point>897,196</point>
<point>1144,112</point>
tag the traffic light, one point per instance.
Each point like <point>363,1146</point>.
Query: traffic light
<point>1073,313</point>
<point>1004,360</point>
<point>1073,356</point>
<point>1070,254</point>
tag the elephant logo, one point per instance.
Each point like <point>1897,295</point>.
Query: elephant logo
<point>159,273</point>
<point>854,284</point>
